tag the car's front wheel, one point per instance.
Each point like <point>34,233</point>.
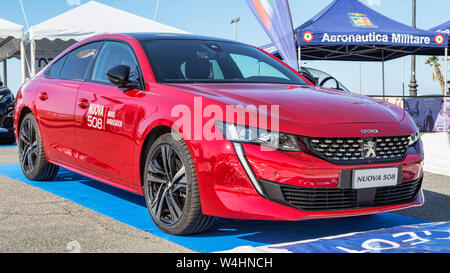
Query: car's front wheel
<point>31,152</point>
<point>171,189</point>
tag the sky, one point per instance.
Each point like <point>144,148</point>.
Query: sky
<point>212,18</point>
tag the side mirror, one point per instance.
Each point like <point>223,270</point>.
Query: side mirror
<point>118,75</point>
<point>1,83</point>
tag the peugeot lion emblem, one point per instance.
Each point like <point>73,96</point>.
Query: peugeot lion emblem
<point>369,149</point>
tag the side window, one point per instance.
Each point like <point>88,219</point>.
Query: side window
<point>54,71</point>
<point>77,62</point>
<point>112,54</point>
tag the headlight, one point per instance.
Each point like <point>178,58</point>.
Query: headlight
<point>413,138</point>
<point>252,135</point>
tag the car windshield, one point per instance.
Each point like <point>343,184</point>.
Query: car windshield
<point>204,61</point>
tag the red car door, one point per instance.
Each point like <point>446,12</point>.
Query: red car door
<point>107,118</point>
<point>56,100</point>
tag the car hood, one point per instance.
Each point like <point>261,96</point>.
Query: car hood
<point>304,104</point>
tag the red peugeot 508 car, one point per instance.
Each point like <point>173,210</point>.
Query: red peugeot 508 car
<point>205,128</point>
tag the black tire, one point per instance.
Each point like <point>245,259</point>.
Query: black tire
<point>171,189</point>
<point>31,152</point>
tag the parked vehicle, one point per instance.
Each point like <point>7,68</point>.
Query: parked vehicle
<point>6,115</point>
<point>136,111</point>
<point>321,78</point>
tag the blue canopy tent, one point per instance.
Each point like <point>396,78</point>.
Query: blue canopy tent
<point>347,30</point>
<point>444,29</point>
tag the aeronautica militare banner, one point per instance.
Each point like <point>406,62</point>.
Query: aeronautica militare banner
<point>353,24</point>
<point>356,24</point>
<point>275,17</point>
<point>400,39</point>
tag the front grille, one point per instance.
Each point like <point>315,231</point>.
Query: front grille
<point>397,194</point>
<point>314,199</point>
<point>364,150</point>
<point>319,199</point>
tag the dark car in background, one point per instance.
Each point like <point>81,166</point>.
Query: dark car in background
<point>321,78</point>
<point>6,115</point>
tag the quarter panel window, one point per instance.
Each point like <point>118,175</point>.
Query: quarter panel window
<point>55,69</point>
<point>77,62</point>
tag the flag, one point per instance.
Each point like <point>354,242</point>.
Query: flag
<point>275,17</point>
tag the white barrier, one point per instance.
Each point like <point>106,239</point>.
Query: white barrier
<point>437,152</point>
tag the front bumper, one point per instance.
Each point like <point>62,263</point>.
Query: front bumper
<point>228,188</point>
<point>6,126</point>
<point>335,199</point>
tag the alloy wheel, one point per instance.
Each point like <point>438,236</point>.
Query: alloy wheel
<point>28,148</point>
<point>167,184</point>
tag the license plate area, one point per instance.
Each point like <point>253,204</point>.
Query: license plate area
<point>376,177</point>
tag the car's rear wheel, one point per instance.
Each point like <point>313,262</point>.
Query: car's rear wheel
<point>31,152</point>
<point>171,189</point>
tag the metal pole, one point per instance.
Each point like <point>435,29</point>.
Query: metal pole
<point>156,10</point>
<point>299,58</point>
<point>413,83</point>
<point>359,77</point>
<point>403,78</point>
<point>22,60</point>
<point>382,73</point>
<point>234,21</point>
<point>33,58</point>
<point>446,89</point>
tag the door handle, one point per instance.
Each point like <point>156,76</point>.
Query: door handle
<point>43,96</point>
<point>83,103</point>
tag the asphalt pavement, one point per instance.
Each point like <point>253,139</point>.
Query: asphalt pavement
<point>33,220</point>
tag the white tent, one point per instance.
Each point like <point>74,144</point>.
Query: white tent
<point>51,37</point>
<point>11,43</point>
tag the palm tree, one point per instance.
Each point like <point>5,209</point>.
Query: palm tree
<point>436,75</point>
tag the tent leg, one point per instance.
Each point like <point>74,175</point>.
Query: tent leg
<point>359,78</point>
<point>446,89</point>
<point>33,57</point>
<point>299,58</point>
<point>22,60</point>
<point>382,76</point>
<point>403,78</point>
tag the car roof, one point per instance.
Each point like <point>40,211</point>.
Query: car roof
<point>145,36</point>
